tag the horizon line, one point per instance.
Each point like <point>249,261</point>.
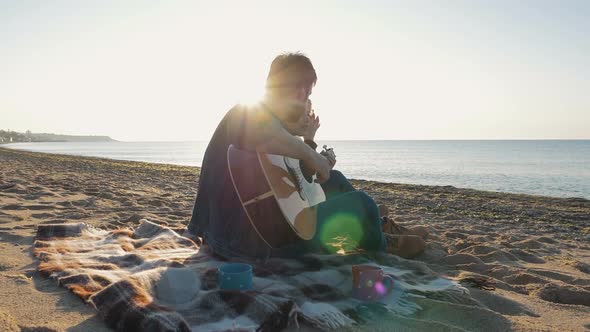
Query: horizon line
<point>321,140</point>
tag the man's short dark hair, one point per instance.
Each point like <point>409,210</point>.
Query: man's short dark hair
<point>290,70</point>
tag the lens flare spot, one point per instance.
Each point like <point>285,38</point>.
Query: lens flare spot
<point>380,288</point>
<point>341,232</point>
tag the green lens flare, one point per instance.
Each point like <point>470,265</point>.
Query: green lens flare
<point>341,233</point>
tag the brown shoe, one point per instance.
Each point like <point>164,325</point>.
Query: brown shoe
<point>391,227</point>
<point>420,231</point>
<point>406,246</point>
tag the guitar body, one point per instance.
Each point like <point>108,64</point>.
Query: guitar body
<point>276,196</point>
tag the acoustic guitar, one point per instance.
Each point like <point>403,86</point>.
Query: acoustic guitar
<point>277,194</point>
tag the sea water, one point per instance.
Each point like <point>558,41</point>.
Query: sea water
<point>559,168</point>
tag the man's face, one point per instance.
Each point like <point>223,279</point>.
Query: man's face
<point>294,106</point>
<point>303,93</point>
<point>298,94</point>
<point>299,119</point>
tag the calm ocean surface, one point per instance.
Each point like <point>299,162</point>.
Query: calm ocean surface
<point>557,168</point>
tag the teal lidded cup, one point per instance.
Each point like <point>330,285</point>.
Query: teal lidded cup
<point>235,276</point>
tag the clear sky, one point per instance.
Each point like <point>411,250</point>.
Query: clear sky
<point>416,69</point>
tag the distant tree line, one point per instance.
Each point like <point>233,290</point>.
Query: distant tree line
<point>9,136</point>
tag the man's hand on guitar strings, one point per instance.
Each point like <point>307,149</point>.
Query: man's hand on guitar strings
<point>320,165</point>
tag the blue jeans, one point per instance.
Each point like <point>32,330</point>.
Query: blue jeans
<point>337,184</point>
<point>347,214</point>
<point>348,217</point>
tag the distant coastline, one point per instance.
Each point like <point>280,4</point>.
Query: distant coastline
<point>29,137</point>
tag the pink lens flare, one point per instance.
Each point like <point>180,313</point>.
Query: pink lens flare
<point>380,288</point>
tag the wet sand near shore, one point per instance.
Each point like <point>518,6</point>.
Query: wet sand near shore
<point>536,249</point>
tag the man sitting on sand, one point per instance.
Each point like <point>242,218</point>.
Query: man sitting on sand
<point>275,126</point>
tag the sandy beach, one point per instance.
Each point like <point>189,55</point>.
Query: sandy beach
<point>536,249</point>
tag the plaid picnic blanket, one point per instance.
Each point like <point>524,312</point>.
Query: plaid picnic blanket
<point>152,279</point>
